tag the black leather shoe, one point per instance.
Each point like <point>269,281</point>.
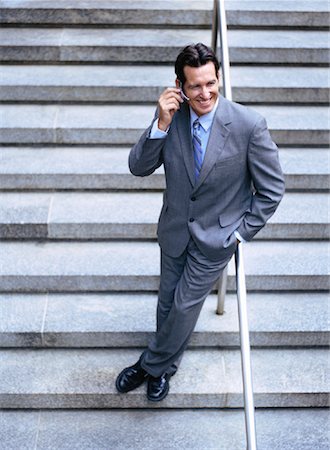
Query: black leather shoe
<point>158,388</point>
<point>131,378</point>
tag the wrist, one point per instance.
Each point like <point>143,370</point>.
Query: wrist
<point>162,125</point>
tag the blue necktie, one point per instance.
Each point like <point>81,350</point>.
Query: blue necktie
<point>197,144</point>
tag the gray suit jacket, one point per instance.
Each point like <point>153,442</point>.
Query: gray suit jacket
<point>239,187</point>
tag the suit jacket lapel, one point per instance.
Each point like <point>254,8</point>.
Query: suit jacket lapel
<point>184,133</point>
<point>217,140</point>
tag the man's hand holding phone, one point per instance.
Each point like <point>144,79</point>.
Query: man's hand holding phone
<point>169,102</point>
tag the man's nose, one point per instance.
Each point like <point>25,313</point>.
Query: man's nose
<point>205,92</point>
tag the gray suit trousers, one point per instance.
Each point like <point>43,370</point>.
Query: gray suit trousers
<point>184,285</point>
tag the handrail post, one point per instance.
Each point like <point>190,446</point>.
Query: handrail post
<point>222,287</point>
<point>219,26</point>
<point>245,350</point>
<point>215,26</point>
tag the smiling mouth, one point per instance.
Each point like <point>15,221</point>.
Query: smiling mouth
<point>205,102</point>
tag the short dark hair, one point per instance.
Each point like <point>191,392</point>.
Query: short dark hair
<point>194,55</point>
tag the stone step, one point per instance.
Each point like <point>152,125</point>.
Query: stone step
<point>170,13</point>
<point>285,429</point>
<point>93,45</point>
<point>118,124</point>
<point>100,84</point>
<point>105,168</point>
<point>115,320</point>
<point>135,215</point>
<point>134,266</point>
<point>85,378</point>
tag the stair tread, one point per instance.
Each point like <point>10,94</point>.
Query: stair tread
<point>189,430</point>
<point>85,44</point>
<point>174,38</point>
<point>113,320</point>
<point>108,160</point>
<point>155,76</point>
<point>101,215</point>
<point>119,124</point>
<point>150,13</point>
<point>76,377</point>
<point>102,168</point>
<point>139,117</point>
<point>125,84</point>
<point>133,208</point>
<point>142,258</point>
<point>281,5</point>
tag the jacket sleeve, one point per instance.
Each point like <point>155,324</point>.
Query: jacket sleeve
<point>267,177</point>
<point>146,155</point>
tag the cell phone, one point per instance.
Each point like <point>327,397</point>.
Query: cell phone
<point>183,95</point>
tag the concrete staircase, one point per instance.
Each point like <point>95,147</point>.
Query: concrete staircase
<point>79,261</point>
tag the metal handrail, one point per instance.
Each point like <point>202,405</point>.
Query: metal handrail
<point>250,424</point>
<point>220,27</point>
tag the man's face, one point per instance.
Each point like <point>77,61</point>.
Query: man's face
<point>202,87</point>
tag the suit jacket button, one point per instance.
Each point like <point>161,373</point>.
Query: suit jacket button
<point>193,199</point>
<point>191,219</point>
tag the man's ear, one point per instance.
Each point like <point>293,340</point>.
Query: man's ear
<point>177,83</point>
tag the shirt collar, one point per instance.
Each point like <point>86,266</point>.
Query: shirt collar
<point>206,119</point>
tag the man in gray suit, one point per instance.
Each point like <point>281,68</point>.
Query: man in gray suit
<point>223,182</point>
